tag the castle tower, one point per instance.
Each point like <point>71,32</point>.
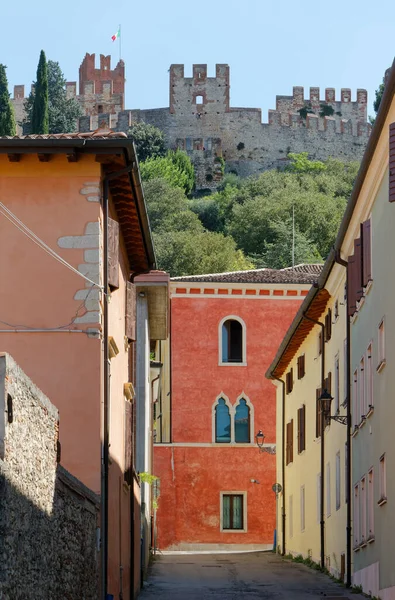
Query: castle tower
<point>199,93</point>
<point>101,90</point>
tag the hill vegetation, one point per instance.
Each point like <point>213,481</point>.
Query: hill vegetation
<point>248,223</point>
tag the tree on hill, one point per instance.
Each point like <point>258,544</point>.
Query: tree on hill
<point>176,168</point>
<point>40,120</point>
<point>63,113</point>
<point>377,100</point>
<point>7,116</point>
<point>149,140</point>
<point>183,246</point>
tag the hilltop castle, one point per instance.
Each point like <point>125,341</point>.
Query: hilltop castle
<point>201,121</point>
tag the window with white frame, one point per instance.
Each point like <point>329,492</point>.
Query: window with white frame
<point>328,490</point>
<point>381,345</point>
<point>382,480</point>
<point>370,505</point>
<point>302,508</point>
<point>232,341</point>
<point>338,476</point>
<point>233,423</point>
<point>337,386</point>
<point>345,473</point>
<point>362,511</point>
<point>291,516</point>
<point>356,516</point>
<point>361,395</point>
<point>345,388</point>
<point>355,403</point>
<point>369,379</point>
<point>233,510</point>
<point>318,497</point>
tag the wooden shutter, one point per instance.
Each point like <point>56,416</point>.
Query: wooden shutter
<point>291,444</point>
<point>392,164</point>
<point>328,325</point>
<point>301,429</point>
<point>130,315</point>
<point>128,442</point>
<point>113,253</point>
<point>358,269</point>
<point>366,253</point>
<point>351,291</point>
<point>301,366</point>
<point>289,381</point>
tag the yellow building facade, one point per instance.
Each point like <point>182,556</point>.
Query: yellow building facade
<point>312,358</point>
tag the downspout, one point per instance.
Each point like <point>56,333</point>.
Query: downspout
<point>344,263</point>
<point>322,519</point>
<point>106,389</point>
<point>283,510</point>
<point>152,510</point>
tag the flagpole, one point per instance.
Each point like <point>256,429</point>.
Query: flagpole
<point>120,43</point>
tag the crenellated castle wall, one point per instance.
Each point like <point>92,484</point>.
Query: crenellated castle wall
<point>201,121</point>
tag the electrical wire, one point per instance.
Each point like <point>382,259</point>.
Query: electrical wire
<point>8,214</point>
<point>14,326</point>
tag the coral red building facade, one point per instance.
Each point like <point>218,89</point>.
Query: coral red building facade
<point>215,484</point>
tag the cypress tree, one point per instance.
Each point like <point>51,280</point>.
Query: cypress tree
<point>40,121</point>
<point>7,116</point>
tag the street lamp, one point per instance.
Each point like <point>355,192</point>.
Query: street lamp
<point>326,401</point>
<point>260,438</point>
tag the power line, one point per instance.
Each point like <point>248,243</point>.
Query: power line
<point>8,214</point>
<point>16,326</point>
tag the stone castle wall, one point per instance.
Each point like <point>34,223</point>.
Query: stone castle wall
<point>201,121</point>
<point>48,519</point>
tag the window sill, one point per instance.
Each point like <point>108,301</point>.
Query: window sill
<point>368,287</point>
<point>357,548</point>
<point>382,501</point>
<point>362,422</point>
<point>370,411</point>
<point>232,364</point>
<point>364,543</point>
<point>370,539</point>
<point>233,530</point>
<point>381,365</point>
<point>355,431</point>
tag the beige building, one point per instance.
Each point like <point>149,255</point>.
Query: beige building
<point>311,451</point>
<point>364,247</point>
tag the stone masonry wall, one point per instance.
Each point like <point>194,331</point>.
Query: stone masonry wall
<point>48,519</point>
<point>201,121</point>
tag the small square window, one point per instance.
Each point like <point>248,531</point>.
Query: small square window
<point>199,99</point>
<point>233,511</point>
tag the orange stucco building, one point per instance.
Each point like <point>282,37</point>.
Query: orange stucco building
<point>215,484</point>
<point>71,333</point>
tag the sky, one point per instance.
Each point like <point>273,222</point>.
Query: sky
<point>269,46</point>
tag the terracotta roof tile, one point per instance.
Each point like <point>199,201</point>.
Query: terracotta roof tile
<point>298,274</point>
<point>101,133</point>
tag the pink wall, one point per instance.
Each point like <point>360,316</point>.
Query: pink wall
<point>192,477</point>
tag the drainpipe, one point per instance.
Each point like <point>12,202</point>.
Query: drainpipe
<point>344,263</point>
<point>322,519</point>
<point>106,389</point>
<point>283,510</point>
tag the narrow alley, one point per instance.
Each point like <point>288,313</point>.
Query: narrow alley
<point>231,576</point>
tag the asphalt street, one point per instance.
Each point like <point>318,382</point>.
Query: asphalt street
<point>252,575</point>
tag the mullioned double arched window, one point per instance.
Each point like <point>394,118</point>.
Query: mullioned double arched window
<point>233,423</point>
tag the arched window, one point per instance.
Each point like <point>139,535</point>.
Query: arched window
<point>222,422</point>
<point>242,422</point>
<point>233,344</point>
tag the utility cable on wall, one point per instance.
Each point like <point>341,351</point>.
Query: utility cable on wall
<point>39,242</point>
<point>57,327</point>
